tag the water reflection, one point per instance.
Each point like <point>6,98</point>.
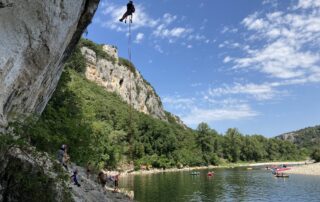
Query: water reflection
<point>226,185</point>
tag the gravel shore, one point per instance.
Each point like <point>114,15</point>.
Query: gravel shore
<point>310,169</point>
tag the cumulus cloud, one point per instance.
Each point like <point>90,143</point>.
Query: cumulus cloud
<point>195,110</point>
<point>290,43</point>
<point>259,92</point>
<point>139,37</point>
<point>308,4</point>
<point>210,115</point>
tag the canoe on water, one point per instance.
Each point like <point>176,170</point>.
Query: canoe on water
<point>210,174</point>
<point>281,175</point>
<point>195,173</point>
<point>282,169</point>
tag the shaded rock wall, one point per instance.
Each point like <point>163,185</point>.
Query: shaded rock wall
<point>36,37</point>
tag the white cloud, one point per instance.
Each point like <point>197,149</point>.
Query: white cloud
<point>259,92</point>
<point>308,4</point>
<point>158,48</point>
<point>178,103</point>
<point>226,29</point>
<point>195,110</point>
<point>210,115</point>
<point>290,41</point>
<point>168,18</point>
<point>227,59</point>
<point>139,37</point>
<point>176,32</point>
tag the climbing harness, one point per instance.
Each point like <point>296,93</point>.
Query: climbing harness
<point>130,19</point>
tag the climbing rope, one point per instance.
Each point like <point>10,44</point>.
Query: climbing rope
<point>130,133</point>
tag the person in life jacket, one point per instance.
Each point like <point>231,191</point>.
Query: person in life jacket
<point>130,11</point>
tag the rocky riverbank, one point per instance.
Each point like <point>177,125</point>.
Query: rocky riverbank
<point>90,190</point>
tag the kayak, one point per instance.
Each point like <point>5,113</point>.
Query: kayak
<point>210,174</point>
<point>282,169</point>
<point>281,175</point>
<point>195,173</point>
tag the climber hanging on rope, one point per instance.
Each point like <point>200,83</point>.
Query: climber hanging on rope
<point>129,12</point>
<point>3,5</point>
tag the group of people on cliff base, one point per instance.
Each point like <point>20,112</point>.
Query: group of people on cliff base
<point>103,178</point>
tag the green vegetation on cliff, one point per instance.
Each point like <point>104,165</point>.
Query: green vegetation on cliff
<point>96,126</point>
<point>307,138</point>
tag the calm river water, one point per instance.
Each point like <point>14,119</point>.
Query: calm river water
<point>238,184</point>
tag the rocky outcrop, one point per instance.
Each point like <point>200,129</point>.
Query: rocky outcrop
<point>308,138</point>
<point>118,75</point>
<point>26,175</point>
<point>36,37</point>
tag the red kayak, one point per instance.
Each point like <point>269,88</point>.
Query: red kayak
<point>210,174</point>
<point>282,169</point>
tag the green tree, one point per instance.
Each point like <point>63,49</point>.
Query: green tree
<point>315,155</point>
<point>233,145</point>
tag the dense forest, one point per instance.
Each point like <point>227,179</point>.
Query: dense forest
<point>97,127</point>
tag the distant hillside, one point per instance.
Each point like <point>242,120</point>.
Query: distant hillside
<point>308,138</point>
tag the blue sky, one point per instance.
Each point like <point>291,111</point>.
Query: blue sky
<point>249,64</point>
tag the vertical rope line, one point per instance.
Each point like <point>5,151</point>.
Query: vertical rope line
<point>130,92</point>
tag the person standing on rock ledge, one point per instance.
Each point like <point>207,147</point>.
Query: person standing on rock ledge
<point>63,156</point>
<point>116,182</point>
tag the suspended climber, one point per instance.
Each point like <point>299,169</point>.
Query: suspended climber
<point>129,12</point>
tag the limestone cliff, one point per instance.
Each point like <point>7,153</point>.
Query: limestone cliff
<point>120,76</point>
<point>36,38</point>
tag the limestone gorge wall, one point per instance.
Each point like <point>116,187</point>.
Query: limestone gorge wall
<point>119,78</point>
<point>36,36</point>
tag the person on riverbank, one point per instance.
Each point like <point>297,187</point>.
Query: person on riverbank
<point>88,170</point>
<point>116,182</point>
<point>102,178</point>
<point>62,156</point>
<point>74,178</point>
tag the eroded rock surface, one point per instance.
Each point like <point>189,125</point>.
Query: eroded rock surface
<point>125,81</point>
<point>36,37</point>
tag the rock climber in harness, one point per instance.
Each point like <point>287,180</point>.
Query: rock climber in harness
<point>129,12</point>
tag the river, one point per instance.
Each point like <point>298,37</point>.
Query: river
<point>237,184</point>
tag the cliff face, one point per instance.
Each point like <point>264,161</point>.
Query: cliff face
<point>308,138</point>
<point>116,75</point>
<point>36,37</point>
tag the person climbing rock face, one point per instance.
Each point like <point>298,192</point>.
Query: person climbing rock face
<point>129,12</point>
